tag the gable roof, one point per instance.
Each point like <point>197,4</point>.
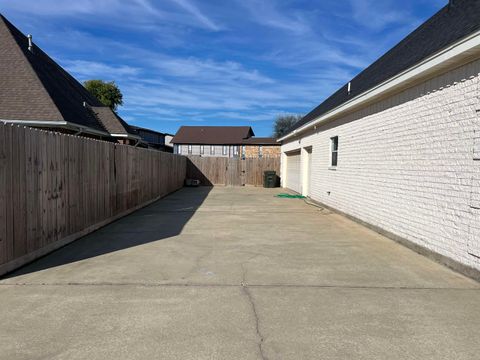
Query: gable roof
<point>446,27</point>
<point>212,135</point>
<point>36,88</point>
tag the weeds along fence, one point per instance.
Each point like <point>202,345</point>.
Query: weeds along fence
<point>55,188</point>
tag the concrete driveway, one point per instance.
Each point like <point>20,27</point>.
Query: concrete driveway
<point>235,273</point>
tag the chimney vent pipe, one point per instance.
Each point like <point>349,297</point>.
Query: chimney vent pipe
<point>30,43</point>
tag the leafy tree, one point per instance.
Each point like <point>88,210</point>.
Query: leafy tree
<point>107,93</point>
<point>283,123</point>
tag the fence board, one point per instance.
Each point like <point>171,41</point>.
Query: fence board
<point>230,171</point>
<point>3,194</point>
<point>55,187</point>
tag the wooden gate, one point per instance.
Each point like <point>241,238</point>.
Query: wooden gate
<point>230,171</point>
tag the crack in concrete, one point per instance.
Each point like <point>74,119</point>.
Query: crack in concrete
<point>260,336</point>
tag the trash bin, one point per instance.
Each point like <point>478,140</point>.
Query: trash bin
<point>269,179</point>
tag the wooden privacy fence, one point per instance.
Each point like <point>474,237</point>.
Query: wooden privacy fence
<point>230,171</point>
<point>55,188</point>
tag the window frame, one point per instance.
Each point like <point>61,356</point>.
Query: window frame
<point>190,149</point>
<point>260,151</point>
<point>334,146</point>
<point>202,149</point>
<point>224,149</point>
<point>212,149</point>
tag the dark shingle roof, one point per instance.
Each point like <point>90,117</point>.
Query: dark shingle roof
<point>34,87</point>
<point>212,135</point>
<point>138,129</point>
<point>261,141</point>
<point>446,27</point>
<point>113,123</point>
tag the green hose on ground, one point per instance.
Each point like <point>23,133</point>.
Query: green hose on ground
<point>290,196</point>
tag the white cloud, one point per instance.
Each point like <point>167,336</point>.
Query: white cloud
<point>92,69</point>
<point>376,15</point>
<point>197,14</point>
<point>267,14</point>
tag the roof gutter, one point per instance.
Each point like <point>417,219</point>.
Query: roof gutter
<point>128,136</point>
<point>460,50</point>
<point>62,124</point>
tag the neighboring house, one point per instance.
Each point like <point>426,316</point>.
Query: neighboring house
<point>36,91</point>
<point>168,141</point>
<point>152,139</point>
<point>399,147</point>
<point>223,141</point>
<point>257,147</point>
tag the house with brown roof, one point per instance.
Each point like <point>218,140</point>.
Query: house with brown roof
<point>36,91</point>
<point>223,141</point>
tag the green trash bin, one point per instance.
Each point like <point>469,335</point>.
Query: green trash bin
<point>269,179</point>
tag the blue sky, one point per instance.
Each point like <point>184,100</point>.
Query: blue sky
<point>234,62</point>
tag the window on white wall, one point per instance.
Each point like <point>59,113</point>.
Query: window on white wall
<point>189,149</point>
<point>179,149</point>
<point>212,150</point>
<point>225,150</point>
<point>334,151</point>
<point>202,149</point>
<point>235,151</point>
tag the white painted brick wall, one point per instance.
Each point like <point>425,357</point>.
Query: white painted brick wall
<point>406,164</point>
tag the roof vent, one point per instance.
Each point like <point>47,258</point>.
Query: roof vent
<point>349,88</point>
<point>30,43</point>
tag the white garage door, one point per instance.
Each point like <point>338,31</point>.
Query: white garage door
<point>293,171</point>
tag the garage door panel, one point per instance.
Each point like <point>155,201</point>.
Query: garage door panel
<point>293,171</point>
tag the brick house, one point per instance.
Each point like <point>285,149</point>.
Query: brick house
<point>223,141</point>
<point>35,91</point>
<point>398,147</point>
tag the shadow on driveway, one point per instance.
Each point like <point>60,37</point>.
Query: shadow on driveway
<point>161,220</point>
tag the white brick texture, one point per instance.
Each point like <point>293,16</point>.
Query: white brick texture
<point>406,164</point>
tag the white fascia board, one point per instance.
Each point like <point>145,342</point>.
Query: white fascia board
<point>448,55</point>
<point>34,122</point>
<point>64,124</point>
<point>129,136</point>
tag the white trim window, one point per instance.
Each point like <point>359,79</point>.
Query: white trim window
<point>260,151</point>
<point>235,150</point>
<point>189,149</point>
<point>212,150</point>
<point>333,151</point>
<point>179,149</point>
<point>244,151</point>
<point>225,150</point>
<point>202,149</point>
